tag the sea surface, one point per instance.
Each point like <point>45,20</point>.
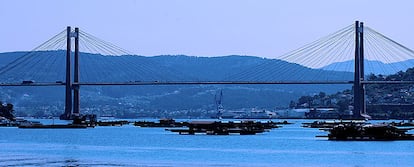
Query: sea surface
<point>290,145</point>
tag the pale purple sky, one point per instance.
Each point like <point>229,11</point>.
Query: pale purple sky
<point>265,28</point>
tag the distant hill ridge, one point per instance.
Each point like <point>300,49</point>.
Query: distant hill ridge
<point>371,66</point>
<point>172,67</point>
<point>218,68</point>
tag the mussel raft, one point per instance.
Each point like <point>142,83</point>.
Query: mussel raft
<point>359,132</point>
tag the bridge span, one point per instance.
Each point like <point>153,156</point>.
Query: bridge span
<point>72,87</point>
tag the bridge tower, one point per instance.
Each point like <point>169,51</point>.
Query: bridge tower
<point>76,93</point>
<point>69,106</point>
<point>358,87</point>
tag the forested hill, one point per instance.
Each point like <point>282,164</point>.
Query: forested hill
<point>171,98</point>
<point>384,101</point>
<point>166,67</point>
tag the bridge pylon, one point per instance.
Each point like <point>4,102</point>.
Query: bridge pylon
<point>72,108</point>
<point>359,77</point>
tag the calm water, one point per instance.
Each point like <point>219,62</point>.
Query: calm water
<point>290,145</point>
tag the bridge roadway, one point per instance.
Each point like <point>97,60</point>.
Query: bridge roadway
<point>200,83</point>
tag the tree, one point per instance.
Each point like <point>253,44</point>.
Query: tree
<point>305,99</point>
<point>342,105</point>
<point>322,94</point>
<point>292,104</point>
<point>7,111</point>
<point>372,77</point>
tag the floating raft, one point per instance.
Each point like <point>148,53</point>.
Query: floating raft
<point>112,123</point>
<point>225,128</point>
<point>165,123</point>
<point>357,132</point>
<point>402,123</point>
<point>331,124</point>
<point>170,123</point>
<point>59,126</point>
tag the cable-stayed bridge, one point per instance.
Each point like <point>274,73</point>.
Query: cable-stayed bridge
<point>97,62</point>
